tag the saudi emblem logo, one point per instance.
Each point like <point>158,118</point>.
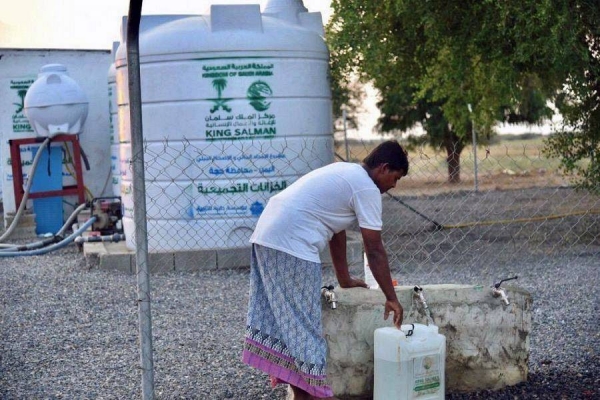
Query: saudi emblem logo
<point>20,106</point>
<point>220,85</point>
<point>257,94</point>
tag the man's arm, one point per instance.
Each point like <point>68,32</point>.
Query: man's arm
<point>378,262</point>
<point>337,247</point>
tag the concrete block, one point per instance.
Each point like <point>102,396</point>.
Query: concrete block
<point>23,233</point>
<point>195,261</point>
<point>233,258</point>
<point>26,219</point>
<point>92,260</point>
<point>116,262</point>
<point>108,256</point>
<point>487,342</point>
<point>117,256</point>
<point>161,262</point>
<point>25,228</point>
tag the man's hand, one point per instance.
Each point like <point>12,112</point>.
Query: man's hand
<point>396,308</point>
<point>352,282</point>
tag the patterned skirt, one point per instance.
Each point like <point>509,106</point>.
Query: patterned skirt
<point>283,334</point>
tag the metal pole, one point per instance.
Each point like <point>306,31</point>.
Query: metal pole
<point>474,148</point>
<point>475,156</point>
<point>344,116</point>
<point>139,199</point>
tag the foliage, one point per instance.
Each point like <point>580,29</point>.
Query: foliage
<point>578,142</point>
<point>430,59</point>
<point>347,93</point>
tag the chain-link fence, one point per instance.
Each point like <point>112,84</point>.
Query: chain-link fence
<point>510,210</point>
<point>208,195</point>
<point>524,212</point>
<point>521,208</point>
<point>204,196</point>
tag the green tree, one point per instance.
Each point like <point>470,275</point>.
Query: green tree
<point>347,94</point>
<point>430,59</point>
<point>578,142</point>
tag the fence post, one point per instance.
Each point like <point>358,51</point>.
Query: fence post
<point>344,116</point>
<point>475,166</point>
<point>139,199</point>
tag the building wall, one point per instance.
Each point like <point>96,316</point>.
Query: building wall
<point>18,70</point>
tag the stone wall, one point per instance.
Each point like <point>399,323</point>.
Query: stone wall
<point>487,342</point>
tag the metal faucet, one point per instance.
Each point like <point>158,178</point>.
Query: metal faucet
<point>418,294</point>
<point>497,291</point>
<point>329,294</point>
<point>420,297</point>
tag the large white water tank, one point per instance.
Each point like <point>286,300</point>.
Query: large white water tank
<point>236,107</point>
<point>55,103</point>
<point>115,162</point>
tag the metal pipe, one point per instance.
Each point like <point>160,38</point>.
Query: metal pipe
<point>139,198</point>
<point>116,237</point>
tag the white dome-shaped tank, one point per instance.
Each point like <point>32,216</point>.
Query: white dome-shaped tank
<point>236,106</point>
<point>55,104</point>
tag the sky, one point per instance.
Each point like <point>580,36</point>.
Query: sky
<point>95,24</point>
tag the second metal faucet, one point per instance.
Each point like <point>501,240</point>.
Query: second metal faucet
<point>418,294</point>
<point>497,291</point>
<point>329,294</point>
<point>420,297</point>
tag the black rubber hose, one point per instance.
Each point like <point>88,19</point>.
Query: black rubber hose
<point>85,159</point>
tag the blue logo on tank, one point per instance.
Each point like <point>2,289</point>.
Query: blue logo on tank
<point>257,208</point>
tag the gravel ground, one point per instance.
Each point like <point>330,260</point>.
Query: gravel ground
<point>72,333</point>
<point>66,332</point>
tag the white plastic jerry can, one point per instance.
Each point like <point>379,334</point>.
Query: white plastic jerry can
<point>409,363</point>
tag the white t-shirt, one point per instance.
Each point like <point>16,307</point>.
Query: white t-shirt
<point>302,219</point>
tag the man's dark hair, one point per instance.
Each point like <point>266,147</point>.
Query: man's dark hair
<point>389,152</point>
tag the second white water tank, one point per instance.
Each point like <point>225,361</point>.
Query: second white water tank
<point>115,163</point>
<point>55,103</point>
<point>236,107</point>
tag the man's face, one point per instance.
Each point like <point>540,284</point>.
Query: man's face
<point>386,178</point>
